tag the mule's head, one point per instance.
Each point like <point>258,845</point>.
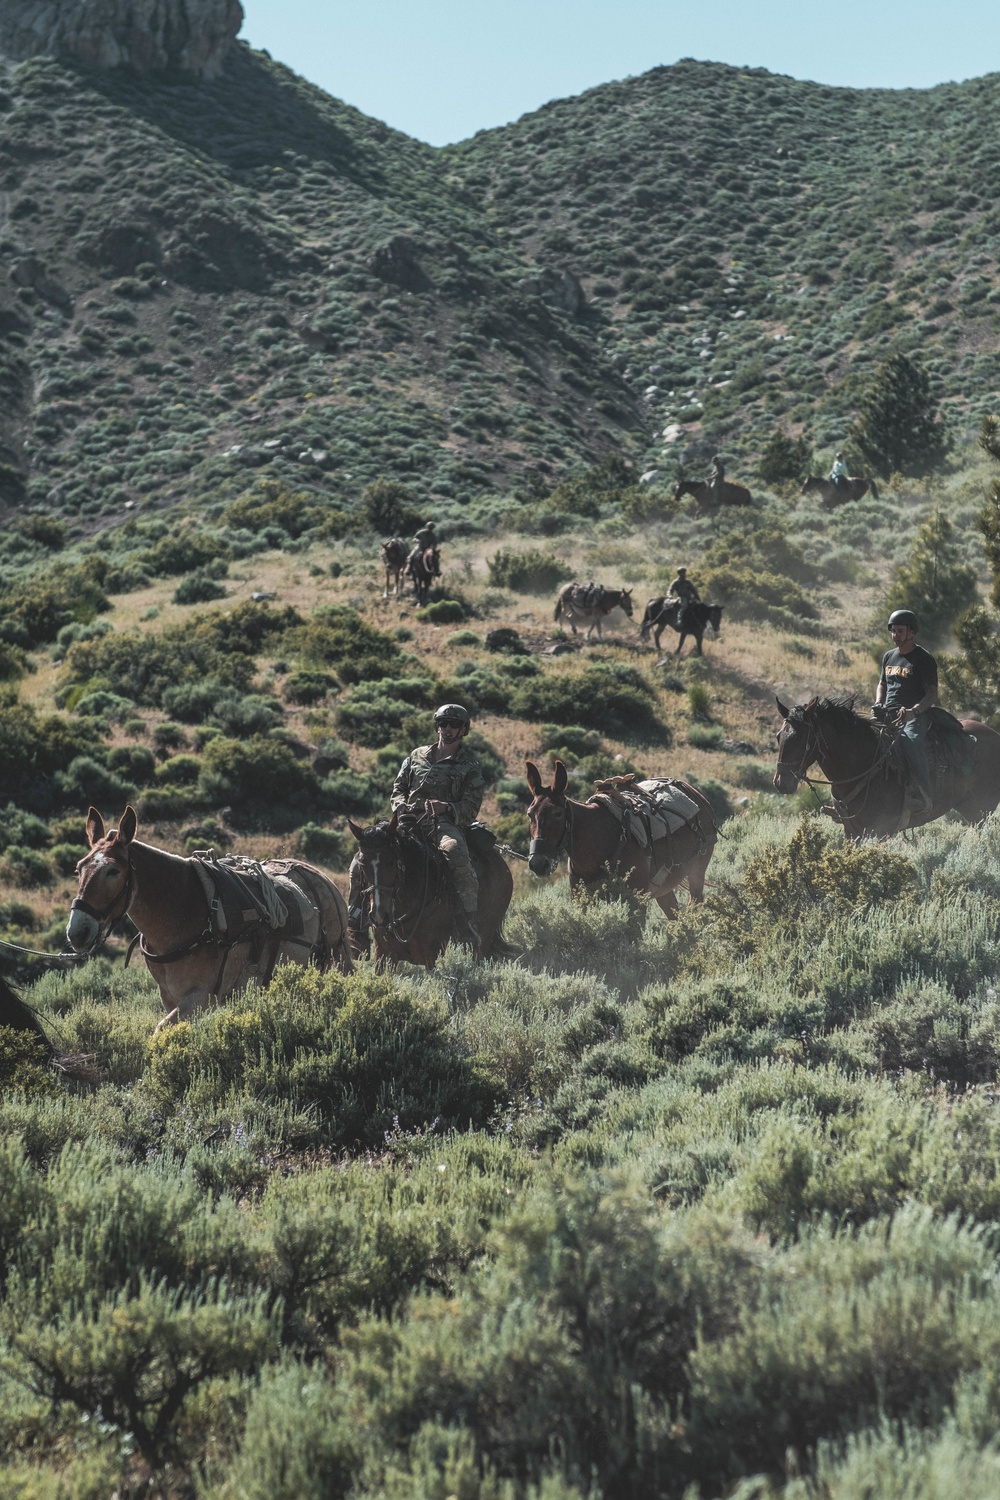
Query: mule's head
<point>105,884</point>
<point>548,819</point>
<point>625,601</point>
<point>798,745</point>
<point>715,616</point>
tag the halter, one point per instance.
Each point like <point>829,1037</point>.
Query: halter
<point>105,918</point>
<point>538,846</point>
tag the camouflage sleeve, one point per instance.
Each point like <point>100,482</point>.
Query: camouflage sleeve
<point>401,786</point>
<point>470,798</point>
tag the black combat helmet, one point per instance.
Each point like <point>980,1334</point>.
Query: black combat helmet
<point>453,713</point>
<point>904,617</point>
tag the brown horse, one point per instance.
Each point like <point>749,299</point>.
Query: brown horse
<point>705,494</point>
<point>394,558</point>
<point>409,896</point>
<point>833,494</point>
<point>191,957</point>
<point>589,601</point>
<point>596,845</point>
<point>856,758</point>
<point>689,617</point>
<point>423,566</point>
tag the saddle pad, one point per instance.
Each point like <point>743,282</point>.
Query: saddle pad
<point>652,810</point>
<point>304,917</point>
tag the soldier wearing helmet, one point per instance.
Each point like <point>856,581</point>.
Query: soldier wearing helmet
<point>682,588</point>
<point>907,691</point>
<point>442,783</point>
<point>426,536</point>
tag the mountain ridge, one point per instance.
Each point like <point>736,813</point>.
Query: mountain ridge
<point>205,278</point>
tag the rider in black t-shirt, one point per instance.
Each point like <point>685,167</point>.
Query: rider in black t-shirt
<point>908,689</point>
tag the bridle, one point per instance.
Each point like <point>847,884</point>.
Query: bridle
<point>106,917</point>
<point>394,925</point>
<point>544,847</point>
<point>815,749</point>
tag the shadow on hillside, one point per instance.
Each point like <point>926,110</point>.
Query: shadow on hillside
<point>248,117</point>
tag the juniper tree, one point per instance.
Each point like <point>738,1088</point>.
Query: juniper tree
<point>898,429</point>
<point>973,677</point>
<point>934,581</point>
<point>784,459</point>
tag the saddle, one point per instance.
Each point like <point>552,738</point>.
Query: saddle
<point>950,748</point>
<point>253,902</point>
<point>650,812</point>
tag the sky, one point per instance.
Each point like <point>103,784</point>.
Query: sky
<point>442,69</point>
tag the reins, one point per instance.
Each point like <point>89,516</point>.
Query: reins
<point>865,778</point>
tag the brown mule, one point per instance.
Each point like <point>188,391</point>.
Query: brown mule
<point>410,902</point>
<point>592,603</point>
<point>593,840</point>
<point>192,961</point>
<point>394,555</point>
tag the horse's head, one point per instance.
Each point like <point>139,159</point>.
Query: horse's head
<point>381,855</point>
<point>715,617</point>
<point>798,744</point>
<point>682,488</point>
<point>812,483</point>
<point>625,601</point>
<point>106,884</point>
<point>548,819</point>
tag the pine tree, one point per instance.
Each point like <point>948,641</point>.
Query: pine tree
<point>934,581</point>
<point>898,429</point>
<point>784,459</point>
<point>973,677</point>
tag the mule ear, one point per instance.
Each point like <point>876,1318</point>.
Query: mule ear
<point>813,703</point>
<point>534,778</point>
<point>127,824</point>
<point>560,779</point>
<point>95,827</point>
<point>356,829</point>
<point>783,711</point>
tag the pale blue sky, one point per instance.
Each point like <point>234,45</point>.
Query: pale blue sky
<point>443,69</point>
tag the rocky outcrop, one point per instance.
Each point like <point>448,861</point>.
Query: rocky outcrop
<point>150,36</point>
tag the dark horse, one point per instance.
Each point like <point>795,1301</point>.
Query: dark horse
<point>423,566</point>
<point>857,758</point>
<point>833,494</point>
<point>394,559</point>
<point>410,901</point>
<point>687,618</point>
<point>704,493</point>
<point>595,845</point>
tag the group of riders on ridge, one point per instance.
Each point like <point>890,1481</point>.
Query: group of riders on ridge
<point>439,788</point>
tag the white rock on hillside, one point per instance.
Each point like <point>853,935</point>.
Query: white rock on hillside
<point>151,36</point>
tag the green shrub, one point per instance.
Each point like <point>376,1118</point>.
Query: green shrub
<point>28,867</point>
<point>614,699</point>
<point>325,846</point>
<point>389,508</point>
<point>530,572</point>
<point>705,736</point>
<point>198,588</point>
<point>254,771</point>
<point>307,687</point>
<point>269,503</point>
<point>442,612</point>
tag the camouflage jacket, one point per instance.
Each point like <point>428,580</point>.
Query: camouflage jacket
<point>683,588</point>
<point>457,781</point>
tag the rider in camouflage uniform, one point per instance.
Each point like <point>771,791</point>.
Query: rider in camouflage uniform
<point>445,781</point>
<point>682,588</point>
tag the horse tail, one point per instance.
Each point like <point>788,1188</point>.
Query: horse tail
<point>559,605</point>
<point>873,487</point>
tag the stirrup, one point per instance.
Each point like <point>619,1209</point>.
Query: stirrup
<point>466,933</point>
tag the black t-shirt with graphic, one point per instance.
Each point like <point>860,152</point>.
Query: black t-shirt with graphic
<point>907,678</point>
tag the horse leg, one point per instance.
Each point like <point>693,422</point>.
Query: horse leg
<point>696,872</point>
<point>667,902</point>
<point>697,644</point>
<point>680,643</point>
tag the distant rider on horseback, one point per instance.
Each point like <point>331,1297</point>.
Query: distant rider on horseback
<point>838,473</point>
<point>443,785</point>
<point>682,588</point>
<point>907,690</point>
<point>426,537</point>
<point>717,477</point>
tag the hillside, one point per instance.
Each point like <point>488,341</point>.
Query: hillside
<point>206,278</point>
<point>755,244</point>
<point>210,277</point>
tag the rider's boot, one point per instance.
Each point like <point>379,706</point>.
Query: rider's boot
<point>358,933</point>
<point>466,933</point>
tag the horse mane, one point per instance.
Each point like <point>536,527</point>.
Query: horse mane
<point>841,710</point>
